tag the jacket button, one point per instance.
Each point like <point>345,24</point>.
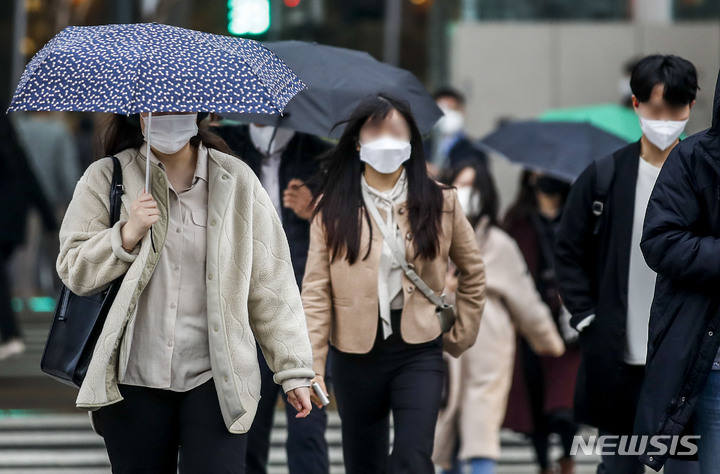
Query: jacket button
<point>212,222</point>
<point>225,177</point>
<point>226,378</point>
<point>710,333</point>
<point>215,328</point>
<point>159,175</point>
<point>650,458</point>
<point>209,276</point>
<point>682,399</point>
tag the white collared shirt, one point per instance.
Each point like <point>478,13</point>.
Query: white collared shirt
<point>390,273</point>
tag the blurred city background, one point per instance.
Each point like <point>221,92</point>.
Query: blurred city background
<point>512,59</point>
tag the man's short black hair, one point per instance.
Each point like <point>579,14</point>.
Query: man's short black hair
<point>450,92</point>
<point>678,75</point>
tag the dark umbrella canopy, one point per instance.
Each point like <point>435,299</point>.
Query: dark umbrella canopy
<point>337,80</point>
<point>561,149</point>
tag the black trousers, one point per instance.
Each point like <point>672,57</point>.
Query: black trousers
<point>145,432</point>
<point>307,448</point>
<point>8,323</point>
<point>406,379</point>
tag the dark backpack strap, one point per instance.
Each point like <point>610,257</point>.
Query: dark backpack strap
<point>116,191</point>
<point>604,174</point>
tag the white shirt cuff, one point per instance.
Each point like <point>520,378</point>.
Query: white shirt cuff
<point>585,322</point>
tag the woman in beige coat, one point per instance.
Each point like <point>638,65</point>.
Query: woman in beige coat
<point>468,430</point>
<point>175,368</point>
<point>383,333</point>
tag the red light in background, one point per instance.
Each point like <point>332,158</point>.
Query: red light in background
<point>291,3</point>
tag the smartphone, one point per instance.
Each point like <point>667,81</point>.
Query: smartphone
<point>318,391</point>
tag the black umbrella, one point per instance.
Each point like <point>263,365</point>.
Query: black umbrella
<point>337,80</point>
<point>561,149</point>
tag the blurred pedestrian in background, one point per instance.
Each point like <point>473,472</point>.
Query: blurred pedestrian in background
<point>284,161</point>
<point>382,332</point>
<point>468,430</point>
<point>543,387</point>
<point>20,192</point>
<point>52,153</point>
<point>449,144</point>
<point>197,293</point>
<point>606,283</point>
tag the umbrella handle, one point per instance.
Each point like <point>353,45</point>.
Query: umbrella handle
<point>147,171</point>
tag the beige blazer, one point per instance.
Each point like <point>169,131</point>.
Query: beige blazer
<point>251,290</point>
<point>341,300</point>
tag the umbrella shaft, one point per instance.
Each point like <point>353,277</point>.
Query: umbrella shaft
<point>147,153</point>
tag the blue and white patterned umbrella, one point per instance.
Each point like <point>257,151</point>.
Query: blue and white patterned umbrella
<point>150,67</point>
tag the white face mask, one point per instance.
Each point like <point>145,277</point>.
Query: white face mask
<point>261,137</point>
<point>386,154</point>
<point>662,133</point>
<point>469,200</point>
<point>170,133</point>
<point>451,123</point>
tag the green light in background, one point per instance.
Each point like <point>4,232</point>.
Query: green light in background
<point>42,304</point>
<point>248,17</point>
<point>17,304</point>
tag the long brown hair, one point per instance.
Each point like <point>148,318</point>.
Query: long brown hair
<point>124,132</point>
<point>339,196</point>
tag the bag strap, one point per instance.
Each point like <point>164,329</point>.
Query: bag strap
<point>604,174</point>
<point>438,301</point>
<point>116,191</point>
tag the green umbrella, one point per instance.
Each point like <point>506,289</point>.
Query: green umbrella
<point>616,119</point>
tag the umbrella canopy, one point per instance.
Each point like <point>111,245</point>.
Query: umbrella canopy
<point>616,119</point>
<point>560,149</point>
<point>149,67</point>
<point>338,79</point>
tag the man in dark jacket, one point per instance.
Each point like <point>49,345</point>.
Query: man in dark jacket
<point>604,281</point>
<point>284,161</point>
<point>681,242</point>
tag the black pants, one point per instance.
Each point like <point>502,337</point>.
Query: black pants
<point>307,448</point>
<point>559,421</point>
<point>144,433</point>
<point>404,378</point>
<point>8,323</point>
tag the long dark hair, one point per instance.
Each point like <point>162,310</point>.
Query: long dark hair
<point>123,132</point>
<point>485,185</point>
<point>339,196</point>
<point>526,203</point>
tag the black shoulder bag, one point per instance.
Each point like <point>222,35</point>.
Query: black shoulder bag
<point>78,319</point>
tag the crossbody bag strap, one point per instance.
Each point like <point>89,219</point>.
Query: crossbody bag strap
<point>392,243</point>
